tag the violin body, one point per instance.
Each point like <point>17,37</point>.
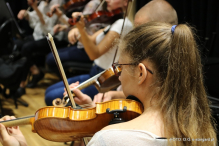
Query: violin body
<point>108,80</point>
<point>101,17</point>
<point>63,124</point>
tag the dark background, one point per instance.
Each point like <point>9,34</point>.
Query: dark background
<point>204,16</point>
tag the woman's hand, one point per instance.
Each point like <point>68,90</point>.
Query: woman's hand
<point>21,14</point>
<point>32,3</point>
<point>11,136</point>
<point>80,23</point>
<point>55,8</point>
<point>72,86</point>
<point>109,96</point>
<point>73,35</point>
<point>100,97</point>
<point>80,98</point>
<point>59,27</point>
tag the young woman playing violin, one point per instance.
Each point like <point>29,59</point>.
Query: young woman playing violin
<point>75,52</point>
<point>98,48</point>
<point>161,67</point>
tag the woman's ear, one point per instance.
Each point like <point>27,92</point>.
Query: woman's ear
<point>142,73</point>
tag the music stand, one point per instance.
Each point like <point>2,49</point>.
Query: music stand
<point>7,14</point>
<point>15,20</point>
<point>4,13</point>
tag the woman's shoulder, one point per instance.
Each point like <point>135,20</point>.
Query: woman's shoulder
<point>120,137</point>
<point>117,26</point>
<point>120,22</point>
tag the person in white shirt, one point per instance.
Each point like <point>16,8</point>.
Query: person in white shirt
<point>99,48</point>
<point>155,10</point>
<point>37,42</point>
<point>76,52</point>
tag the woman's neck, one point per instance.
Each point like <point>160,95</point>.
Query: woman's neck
<point>147,99</point>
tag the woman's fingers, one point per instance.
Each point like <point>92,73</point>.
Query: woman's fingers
<point>98,97</point>
<point>81,98</point>
<point>4,136</point>
<point>74,84</point>
<point>71,86</point>
<point>54,7</point>
<point>75,15</point>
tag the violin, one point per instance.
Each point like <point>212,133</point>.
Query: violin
<point>100,17</point>
<point>103,82</point>
<point>63,124</point>
<point>70,5</point>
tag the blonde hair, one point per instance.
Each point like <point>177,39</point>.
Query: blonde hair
<point>177,65</point>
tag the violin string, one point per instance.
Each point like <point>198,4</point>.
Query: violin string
<point>121,32</point>
<point>103,96</point>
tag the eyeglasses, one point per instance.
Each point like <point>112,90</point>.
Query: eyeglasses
<point>117,68</point>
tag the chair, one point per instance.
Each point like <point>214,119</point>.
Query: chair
<point>6,36</point>
<point>72,67</point>
<point>10,78</point>
<point>7,33</point>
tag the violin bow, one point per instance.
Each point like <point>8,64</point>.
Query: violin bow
<point>100,5</point>
<point>28,9</point>
<point>121,30</point>
<point>60,67</point>
<point>62,72</point>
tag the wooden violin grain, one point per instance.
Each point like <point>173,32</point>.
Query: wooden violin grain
<point>63,124</point>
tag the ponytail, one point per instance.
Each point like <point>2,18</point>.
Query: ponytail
<point>177,65</point>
